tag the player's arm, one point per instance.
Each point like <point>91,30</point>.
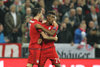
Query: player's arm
<point>50,32</point>
<point>45,36</point>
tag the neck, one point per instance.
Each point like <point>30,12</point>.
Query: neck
<point>36,17</point>
<point>47,23</point>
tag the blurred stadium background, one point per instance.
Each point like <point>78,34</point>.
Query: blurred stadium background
<point>78,42</point>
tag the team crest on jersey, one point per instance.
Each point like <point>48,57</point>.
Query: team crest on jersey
<point>54,28</point>
<point>49,28</point>
<point>31,21</point>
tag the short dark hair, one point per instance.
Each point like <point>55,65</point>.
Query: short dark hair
<point>35,11</point>
<point>50,13</point>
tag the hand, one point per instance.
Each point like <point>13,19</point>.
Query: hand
<point>72,43</point>
<point>72,23</point>
<point>93,32</point>
<point>56,38</point>
<point>7,41</point>
<point>39,41</point>
<point>95,45</point>
<point>15,30</point>
<point>94,19</point>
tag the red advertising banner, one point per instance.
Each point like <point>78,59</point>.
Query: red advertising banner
<point>10,50</point>
<point>64,63</point>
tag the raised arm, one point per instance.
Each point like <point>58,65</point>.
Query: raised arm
<point>48,37</point>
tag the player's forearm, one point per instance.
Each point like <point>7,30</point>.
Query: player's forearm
<point>47,37</point>
<point>38,26</point>
<point>52,32</point>
<point>51,38</point>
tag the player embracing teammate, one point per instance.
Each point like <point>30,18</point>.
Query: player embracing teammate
<point>42,37</point>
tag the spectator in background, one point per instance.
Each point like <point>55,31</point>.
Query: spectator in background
<point>8,3</point>
<point>79,17</point>
<point>80,34</point>
<point>3,10</point>
<point>25,30</point>
<point>28,13</point>
<point>80,3</point>
<point>17,3</point>
<point>65,32</point>
<point>41,3</point>
<point>13,24</point>
<point>64,8</point>
<point>93,16</point>
<point>74,1</point>
<point>26,5</point>
<point>48,5</point>
<point>35,3</point>
<point>98,5</point>
<point>92,38</point>
<point>72,16</point>
<point>2,40</point>
<point>55,7</point>
<point>25,25</point>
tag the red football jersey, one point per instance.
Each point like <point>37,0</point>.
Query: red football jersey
<point>34,34</point>
<point>49,43</point>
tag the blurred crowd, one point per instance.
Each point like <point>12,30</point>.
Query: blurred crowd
<point>78,20</point>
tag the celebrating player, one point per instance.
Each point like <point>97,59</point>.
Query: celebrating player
<point>48,49</point>
<point>34,45</point>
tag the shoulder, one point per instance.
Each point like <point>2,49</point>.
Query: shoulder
<point>54,28</point>
<point>1,34</point>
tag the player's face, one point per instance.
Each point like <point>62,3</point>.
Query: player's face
<point>50,18</point>
<point>40,14</point>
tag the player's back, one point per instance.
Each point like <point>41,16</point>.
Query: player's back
<point>34,34</point>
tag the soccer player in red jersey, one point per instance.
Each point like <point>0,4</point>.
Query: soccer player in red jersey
<point>34,45</point>
<point>48,49</point>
